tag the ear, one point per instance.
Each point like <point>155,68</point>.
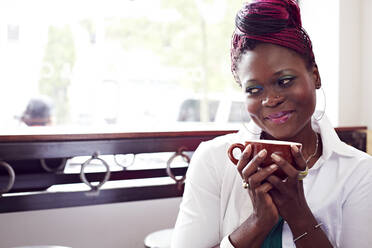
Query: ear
<point>316,76</point>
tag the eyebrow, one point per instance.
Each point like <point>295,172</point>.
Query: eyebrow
<point>281,71</point>
<point>251,81</point>
<point>255,81</point>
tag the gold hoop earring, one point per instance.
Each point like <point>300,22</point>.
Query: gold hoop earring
<point>317,118</point>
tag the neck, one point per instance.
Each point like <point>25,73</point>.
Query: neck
<point>308,138</point>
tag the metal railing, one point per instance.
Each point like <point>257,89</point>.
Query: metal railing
<point>34,163</point>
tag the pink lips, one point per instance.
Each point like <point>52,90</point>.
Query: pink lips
<point>280,117</point>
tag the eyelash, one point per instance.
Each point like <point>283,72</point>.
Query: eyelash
<point>252,90</point>
<point>283,82</point>
<point>288,83</point>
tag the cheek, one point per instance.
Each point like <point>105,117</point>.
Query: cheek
<point>305,97</point>
<point>253,106</point>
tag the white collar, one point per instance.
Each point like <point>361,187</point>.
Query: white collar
<point>330,140</point>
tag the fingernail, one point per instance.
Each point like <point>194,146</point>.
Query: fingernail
<point>248,148</point>
<point>273,166</point>
<point>275,157</point>
<point>294,148</point>
<point>262,153</point>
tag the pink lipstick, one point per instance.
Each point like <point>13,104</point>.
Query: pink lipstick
<point>280,117</point>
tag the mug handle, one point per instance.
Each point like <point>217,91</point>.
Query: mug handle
<point>231,149</point>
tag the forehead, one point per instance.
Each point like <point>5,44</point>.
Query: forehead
<point>267,59</point>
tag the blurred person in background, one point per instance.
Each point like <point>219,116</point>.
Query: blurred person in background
<point>38,112</point>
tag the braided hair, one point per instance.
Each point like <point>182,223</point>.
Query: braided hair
<point>276,22</point>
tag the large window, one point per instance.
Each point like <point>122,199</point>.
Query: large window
<point>118,64</point>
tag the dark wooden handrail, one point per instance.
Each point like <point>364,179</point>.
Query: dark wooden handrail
<point>129,135</point>
<point>108,136</point>
<point>23,153</point>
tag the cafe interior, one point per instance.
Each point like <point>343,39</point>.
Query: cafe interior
<point>105,102</point>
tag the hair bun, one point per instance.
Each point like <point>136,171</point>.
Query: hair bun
<point>268,16</point>
<point>294,13</point>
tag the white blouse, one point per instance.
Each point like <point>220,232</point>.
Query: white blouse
<point>338,190</point>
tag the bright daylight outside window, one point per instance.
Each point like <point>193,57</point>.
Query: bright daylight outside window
<point>122,65</point>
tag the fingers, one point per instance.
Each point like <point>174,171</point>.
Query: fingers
<point>261,190</point>
<point>277,183</point>
<point>260,194</point>
<point>255,180</point>
<point>244,159</point>
<point>285,166</point>
<point>298,157</point>
<point>253,165</point>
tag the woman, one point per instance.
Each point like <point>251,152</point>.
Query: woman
<point>272,60</point>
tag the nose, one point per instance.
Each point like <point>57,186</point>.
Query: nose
<point>272,100</point>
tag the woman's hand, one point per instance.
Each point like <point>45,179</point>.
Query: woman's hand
<point>288,195</point>
<point>249,169</point>
<point>253,231</point>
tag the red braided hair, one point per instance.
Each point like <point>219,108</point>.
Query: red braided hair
<point>270,21</point>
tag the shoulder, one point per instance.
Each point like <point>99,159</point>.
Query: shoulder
<point>356,167</point>
<point>219,144</point>
<point>356,158</point>
<point>348,158</point>
<point>211,156</point>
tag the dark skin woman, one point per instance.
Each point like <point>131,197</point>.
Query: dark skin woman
<point>325,198</point>
<point>277,83</point>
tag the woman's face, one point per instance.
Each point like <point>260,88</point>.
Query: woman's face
<point>279,89</point>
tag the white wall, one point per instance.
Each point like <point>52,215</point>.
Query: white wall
<point>120,225</point>
<point>342,36</point>
<point>350,50</point>
<point>320,19</point>
<point>366,63</point>
<point>355,62</point>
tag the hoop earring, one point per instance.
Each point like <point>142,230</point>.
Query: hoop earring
<point>242,121</point>
<point>324,106</point>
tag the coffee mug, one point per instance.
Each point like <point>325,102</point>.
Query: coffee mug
<point>281,148</point>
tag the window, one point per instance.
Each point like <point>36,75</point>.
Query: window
<point>238,113</point>
<point>13,32</point>
<point>191,108</point>
<point>119,64</point>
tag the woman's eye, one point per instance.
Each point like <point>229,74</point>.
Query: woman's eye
<point>285,81</point>
<point>253,90</point>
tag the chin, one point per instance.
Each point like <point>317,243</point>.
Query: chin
<point>280,132</point>
<point>278,136</point>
